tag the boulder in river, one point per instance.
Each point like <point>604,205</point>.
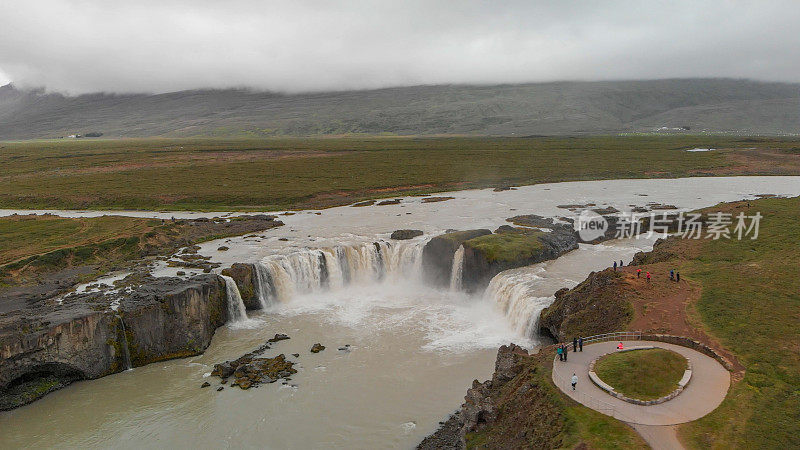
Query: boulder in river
<point>400,235</point>
<point>316,348</point>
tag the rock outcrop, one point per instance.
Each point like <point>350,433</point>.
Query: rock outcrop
<point>52,344</point>
<point>486,256</point>
<point>595,306</point>
<point>517,408</point>
<point>400,235</point>
<point>244,275</point>
<point>437,256</point>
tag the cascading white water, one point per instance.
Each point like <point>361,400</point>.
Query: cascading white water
<point>236,309</point>
<point>457,271</point>
<point>282,277</point>
<point>264,285</point>
<point>511,292</point>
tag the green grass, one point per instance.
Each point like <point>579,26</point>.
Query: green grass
<point>273,174</point>
<point>23,236</point>
<point>509,246</point>
<point>642,374</point>
<point>751,302</point>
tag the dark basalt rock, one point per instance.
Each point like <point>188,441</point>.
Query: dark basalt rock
<point>262,370</point>
<point>364,203</point>
<point>205,385</point>
<point>594,306</point>
<point>437,255</point>
<point>249,370</point>
<point>400,235</point>
<point>245,277</point>
<point>48,345</point>
<point>436,199</point>
<point>480,267</point>
<point>316,348</point>
<point>389,202</point>
<point>279,337</point>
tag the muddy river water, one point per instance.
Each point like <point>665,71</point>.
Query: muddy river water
<point>414,350</point>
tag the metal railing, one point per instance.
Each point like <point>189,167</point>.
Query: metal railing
<point>617,336</point>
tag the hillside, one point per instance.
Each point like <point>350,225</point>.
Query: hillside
<point>714,105</point>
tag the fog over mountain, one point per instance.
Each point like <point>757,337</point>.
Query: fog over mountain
<point>702,105</point>
<point>301,67</point>
<point>296,46</point>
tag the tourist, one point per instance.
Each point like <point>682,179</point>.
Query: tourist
<point>574,344</point>
<point>620,263</point>
<point>574,380</point>
<point>619,346</point>
<point>565,351</point>
<point>672,274</point>
<point>678,276</point>
<point>648,276</point>
<point>560,352</point>
<point>638,273</point>
<point>615,266</point>
<point>580,344</point>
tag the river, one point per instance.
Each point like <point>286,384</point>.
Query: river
<point>414,350</point>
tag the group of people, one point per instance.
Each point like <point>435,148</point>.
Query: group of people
<point>563,349</point>
<point>674,275</point>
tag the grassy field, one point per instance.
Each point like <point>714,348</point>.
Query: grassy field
<point>751,302</point>
<point>642,374</point>
<point>24,236</point>
<point>274,174</point>
<point>34,245</point>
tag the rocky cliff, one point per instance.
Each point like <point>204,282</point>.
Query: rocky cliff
<point>244,274</point>
<point>48,346</point>
<point>597,305</point>
<point>517,408</point>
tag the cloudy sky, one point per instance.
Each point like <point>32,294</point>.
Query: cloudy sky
<point>297,45</point>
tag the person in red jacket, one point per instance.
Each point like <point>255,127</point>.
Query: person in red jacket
<point>648,277</point>
<point>638,273</point>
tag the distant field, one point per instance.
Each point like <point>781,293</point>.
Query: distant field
<point>274,174</point>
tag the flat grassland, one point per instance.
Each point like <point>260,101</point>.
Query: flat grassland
<point>275,174</point>
<point>642,374</point>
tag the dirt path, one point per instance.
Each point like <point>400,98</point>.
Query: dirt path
<point>664,305</point>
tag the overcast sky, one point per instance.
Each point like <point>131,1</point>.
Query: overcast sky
<point>294,46</point>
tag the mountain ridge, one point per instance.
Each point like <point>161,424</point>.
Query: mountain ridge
<point>553,108</point>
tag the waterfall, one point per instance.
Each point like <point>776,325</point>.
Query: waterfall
<point>265,285</point>
<point>281,277</point>
<point>126,355</point>
<point>457,271</point>
<point>511,292</point>
<point>236,310</point>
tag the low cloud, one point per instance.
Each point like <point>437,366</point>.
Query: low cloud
<point>298,46</point>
